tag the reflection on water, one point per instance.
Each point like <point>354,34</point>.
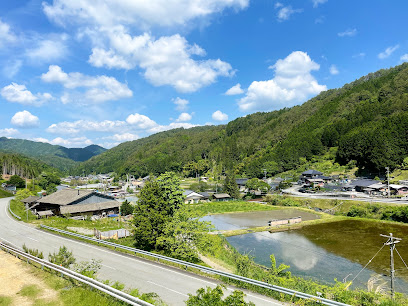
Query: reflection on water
<point>235,221</point>
<point>330,251</point>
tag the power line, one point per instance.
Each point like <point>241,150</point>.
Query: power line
<point>368,263</point>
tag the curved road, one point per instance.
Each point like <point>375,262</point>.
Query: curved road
<point>171,284</point>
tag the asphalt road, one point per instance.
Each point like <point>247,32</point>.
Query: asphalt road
<point>171,284</point>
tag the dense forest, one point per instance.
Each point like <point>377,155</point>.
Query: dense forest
<point>16,164</point>
<point>53,155</point>
<point>366,121</point>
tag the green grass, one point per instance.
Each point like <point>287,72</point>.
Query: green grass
<point>230,206</point>
<point>5,300</point>
<point>104,224</point>
<point>31,291</point>
<point>18,208</point>
<point>5,194</point>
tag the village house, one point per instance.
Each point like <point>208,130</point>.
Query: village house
<point>76,202</point>
<point>219,197</point>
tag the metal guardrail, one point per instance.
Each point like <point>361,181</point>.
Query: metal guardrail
<point>205,269</point>
<point>9,208</point>
<point>127,298</point>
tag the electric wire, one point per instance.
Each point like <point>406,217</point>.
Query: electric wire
<point>368,263</point>
<point>401,257</point>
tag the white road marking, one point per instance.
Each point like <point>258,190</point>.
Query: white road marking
<point>33,239</point>
<point>108,266</point>
<point>167,288</point>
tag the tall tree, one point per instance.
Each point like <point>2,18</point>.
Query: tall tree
<point>230,185</point>
<point>158,201</point>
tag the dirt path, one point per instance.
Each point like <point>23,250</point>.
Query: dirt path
<point>20,284</point>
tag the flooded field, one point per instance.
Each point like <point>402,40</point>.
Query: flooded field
<point>234,221</point>
<point>331,250</point>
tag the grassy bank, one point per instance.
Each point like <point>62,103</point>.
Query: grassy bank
<point>5,194</point>
<point>230,206</point>
<point>18,208</point>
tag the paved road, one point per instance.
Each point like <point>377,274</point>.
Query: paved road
<point>172,285</point>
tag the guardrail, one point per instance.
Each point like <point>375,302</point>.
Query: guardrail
<point>11,212</point>
<point>205,269</point>
<point>127,298</point>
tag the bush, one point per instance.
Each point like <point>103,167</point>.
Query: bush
<point>33,252</point>
<point>63,258</point>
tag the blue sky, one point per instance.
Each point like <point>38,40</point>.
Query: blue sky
<point>96,71</point>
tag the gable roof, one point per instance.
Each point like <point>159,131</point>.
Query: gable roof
<point>241,181</point>
<point>31,199</point>
<point>311,172</point>
<point>77,208</point>
<point>364,183</point>
<point>66,196</point>
<point>221,195</point>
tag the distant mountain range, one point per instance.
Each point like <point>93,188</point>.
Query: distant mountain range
<point>57,156</point>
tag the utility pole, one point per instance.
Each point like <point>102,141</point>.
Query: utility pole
<point>392,241</point>
<point>388,180</point>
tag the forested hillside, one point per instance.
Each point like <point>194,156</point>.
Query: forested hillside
<point>53,155</point>
<point>367,120</point>
<point>16,164</point>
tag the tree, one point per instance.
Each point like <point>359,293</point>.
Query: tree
<point>63,258</point>
<point>23,194</point>
<point>182,234</point>
<point>213,297</point>
<point>230,185</point>
<point>255,184</point>
<point>49,181</point>
<point>126,208</point>
<point>17,181</point>
<point>158,201</point>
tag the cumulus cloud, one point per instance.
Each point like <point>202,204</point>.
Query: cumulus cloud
<point>140,13</point>
<point>68,142</point>
<point>348,32</point>
<point>6,35</point>
<point>165,61</point>
<point>234,90</point>
<point>333,70</point>
<point>285,12</point>
<point>173,125</point>
<point>219,116</point>
<point>184,117</point>
<point>8,132</point>
<point>25,119</point>
<point>49,49</point>
<point>293,83</point>
<point>123,137</point>
<point>85,126</point>
<point>20,94</point>
<point>141,121</point>
<point>404,58</point>
<point>316,3</point>
<point>181,104</point>
<point>96,89</point>
<point>387,52</point>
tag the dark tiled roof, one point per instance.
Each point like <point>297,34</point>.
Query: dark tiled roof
<point>78,208</point>
<point>312,172</point>
<point>364,183</point>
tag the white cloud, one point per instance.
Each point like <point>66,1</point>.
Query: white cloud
<point>293,83</point>
<point>8,132</point>
<point>11,68</point>
<point>316,3</point>
<point>234,90</point>
<point>25,119</point>
<point>123,137</point>
<point>48,50</point>
<point>219,116</point>
<point>71,142</point>
<point>85,126</point>
<point>141,121</point>
<point>333,70</point>
<point>184,117</point>
<point>181,104</point>
<point>173,125</point>
<point>359,55</point>
<point>404,58</point>
<point>20,94</point>
<point>285,12</point>
<point>165,61</point>
<point>348,32</point>
<point>387,52</point>
<point>139,13</point>
<point>6,36</point>
<point>97,89</point>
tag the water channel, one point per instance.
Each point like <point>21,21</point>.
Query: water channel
<point>322,251</point>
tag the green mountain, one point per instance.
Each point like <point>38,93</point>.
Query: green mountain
<point>364,122</point>
<point>53,155</point>
<point>23,166</point>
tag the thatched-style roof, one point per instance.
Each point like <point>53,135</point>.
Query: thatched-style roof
<point>79,208</point>
<point>31,199</point>
<point>68,196</point>
<point>45,213</point>
<point>221,195</point>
